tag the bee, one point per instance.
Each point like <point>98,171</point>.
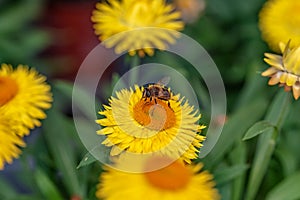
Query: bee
<point>154,91</point>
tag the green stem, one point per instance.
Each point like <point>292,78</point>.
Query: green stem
<point>266,143</point>
<point>238,157</point>
<point>134,72</point>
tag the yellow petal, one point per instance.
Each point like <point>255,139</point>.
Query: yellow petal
<point>291,79</point>
<point>283,77</point>
<point>270,71</point>
<point>282,46</point>
<point>296,90</point>
<point>274,63</point>
<point>115,150</point>
<point>275,78</point>
<point>274,57</point>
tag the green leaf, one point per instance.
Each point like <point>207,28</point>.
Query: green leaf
<point>46,186</point>
<point>288,189</point>
<point>260,164</point>
<point>15,17</point>
<point>98,153</point>
<point>36,41</point>
<point>87,160</point>
<point>238,156</point>
<point>266,143</point>
<point>258,128</point>
<point>92,142</point>
<point>234,130</point>
<point>225,191</point>
<point>288,160</point>
<point>6,189</point>
<point>25,197</point>
<point>82,99</point>
<point>61,149</point>
<point>92,193</point>
<point>226,175</point>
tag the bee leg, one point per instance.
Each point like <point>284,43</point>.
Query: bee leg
<point>155,101</point>
<point>150,99</point>
<point>169,105</point>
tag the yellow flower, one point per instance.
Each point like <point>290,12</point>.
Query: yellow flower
<point>279,22</point>
<point>9,142</point>
<point>24,95</point>
<point>173,182</point>
<point>285,69</point>
<point>190,9</point>
<point>134,124</point>
<point>128,15</point>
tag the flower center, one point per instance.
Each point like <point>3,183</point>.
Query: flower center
<point>139,15</point>
<point>156,116</point>
<point>173,177</point>
<point>8,89</point>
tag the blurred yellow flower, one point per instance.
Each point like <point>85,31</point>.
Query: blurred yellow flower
<point>9,142</point>
<point>285,69</point>
<point>279,22</point>
<point>190,9</point>
<point>173,182</point>
<point>134,124</point>
<point>24,95</point>
<point>128,15</point>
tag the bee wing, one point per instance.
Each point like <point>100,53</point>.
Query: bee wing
<point>164,81</point>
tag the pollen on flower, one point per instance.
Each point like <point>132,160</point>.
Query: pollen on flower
<point>8,89</point>
<point>156,116</point>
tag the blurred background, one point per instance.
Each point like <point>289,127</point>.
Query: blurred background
<point>55,36</point>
